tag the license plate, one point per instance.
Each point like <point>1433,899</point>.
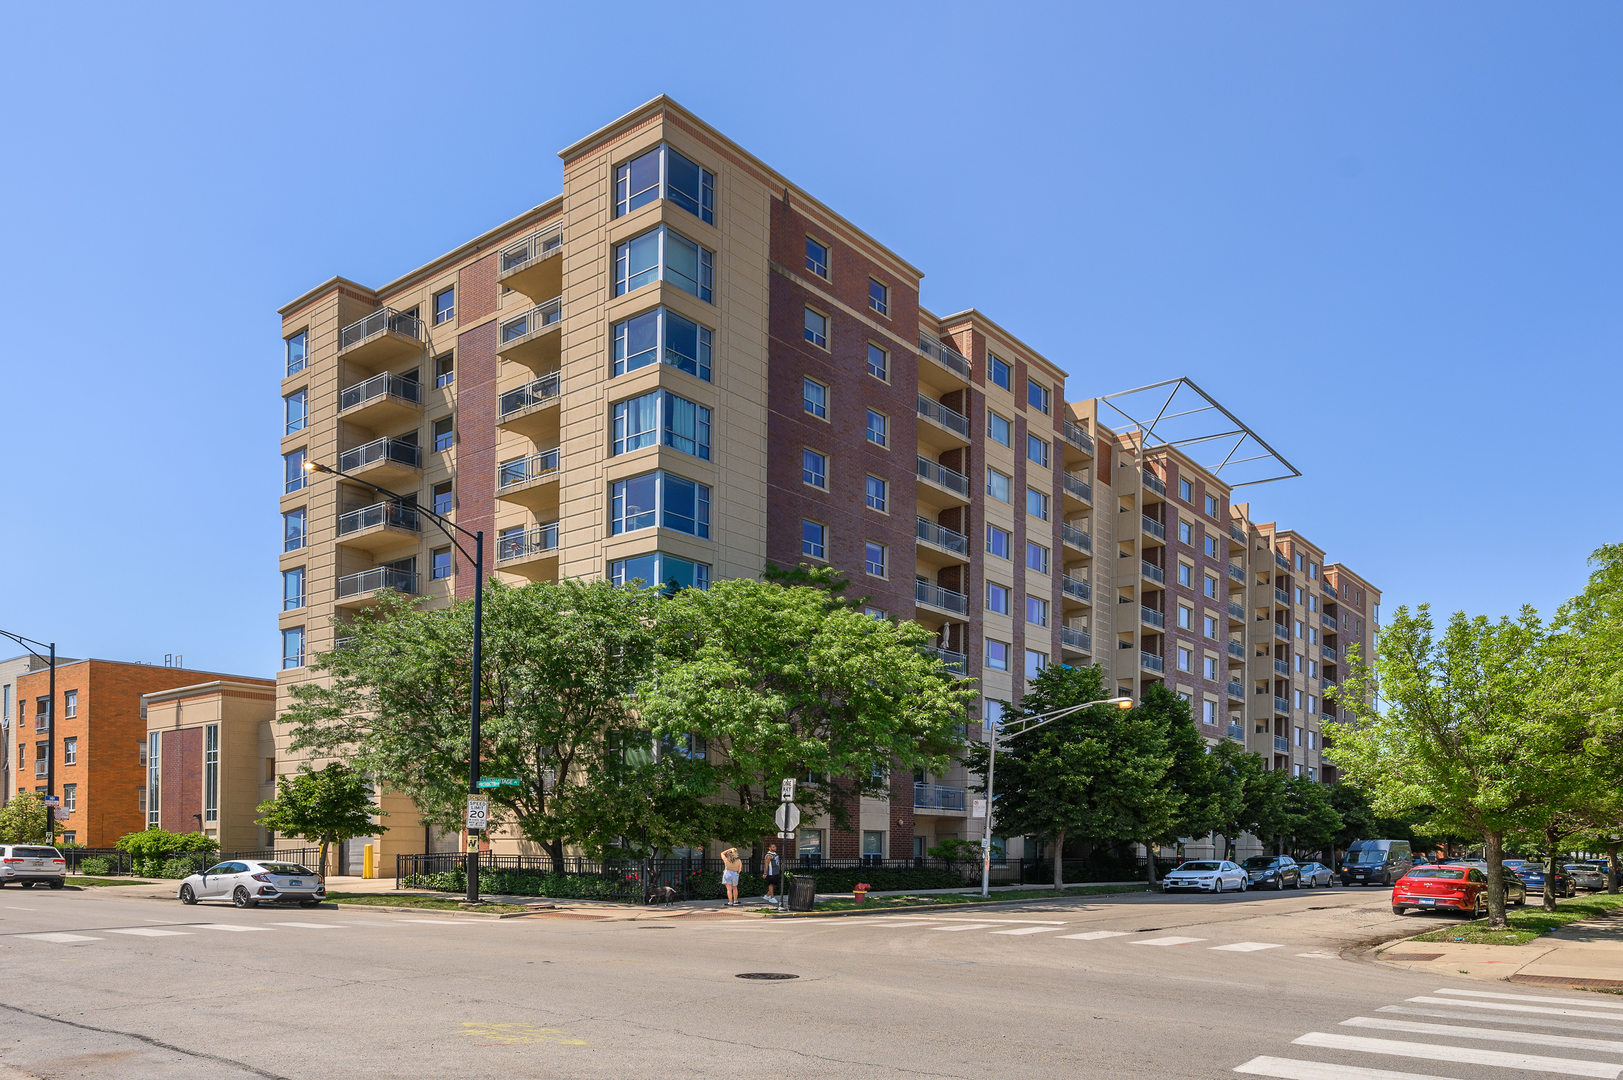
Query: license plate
<point>295,881</point>
<point>1424,902</point>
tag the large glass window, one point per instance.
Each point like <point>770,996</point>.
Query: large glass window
<point>293,589</point>
<point>1038,395</point>
<point>293,647</point>
<point>636,423</point>
<point>878,494</point>
<point>1036,450</point>
<point>1000,371</point>
<point>444,499</point>
<point>1035,662</point>
<point>997,598</point>
<point>444,370</point>
<point>663,171</point>
<point>685,425</point>
<point>1037,611</point>
<point>814,469</point>
<point>444,434</point>
<point>661,334</point>
<point>670,501</point>
<point>292,471</point>
<point>211,773</point>
<point>997,655</point>
<point>997,541</point>
<point>998,428</point>
<point>1036,503</point>
<point>666,571</point>
<point>997,485</point>
<point>440,564</point>
<point>663,255</point>
<point>296,411</point>
<point>814,398</point>
<point>298,352</point>
<point>1036,557</point>
<point>293,530</point>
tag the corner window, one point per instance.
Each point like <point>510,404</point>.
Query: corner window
<point>1000,372</point>
<point>814,469</point>
<point>663,255</point>
<point>684,425</point>
<point>665,172</point>
<point>1036,557</point>
<point>444,434</point>
<point>999,429</point>
<point>1035,662</point>
<point>444,306</point>
<point>998,485</point>
<point>292,471</point>
<point>997,655</point>
<point>878,428</point>
<point>813,539</point>
<point>293,589</point>
<point>439,564</point>
<point>1036,450</point>
<point>816,328</point>
<point>444,370</point>
<point>295,411</point>
<point>879,297</point>
<point>878,363</point>
<point>670,573</point>
<point>293,530</point>
<point>662,499</point>
<point>814,398</point>
<point>298,351</point>
<point>1038,396</point>
<point>878,494</point>
<point>662,335</point>
<point>292,654</point>
<point>997,541</point>
<point>816,257</point>
<point>875,559</point>
<point>997,598</point>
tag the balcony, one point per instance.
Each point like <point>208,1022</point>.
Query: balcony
<point>1076,640</point>
<point>947,428</point>
<point>1237,572</point>
<point>1281,667</point>
<point>945,359</point>
<point>1075,589</point>
<point>1151,662</point>
<point>366,587</point>
<point>1236,611</point>
<point>532,266</point>
<point>383,526</point>
<point>956,663</point>
<point>1330,591</point>
<point>1153,573</point>
<point>1152,617</point>
<point>942,539</point>
<point>1281,744</point>
<point>531,409</point>
<point>1152,527</point>
<point>1237,650</point>
<point>1236,533</point>
<point>1075,438</point>
<point>384,462</point>
<point>530,481</point>
<point>532,337</point>
<point>940,599</point>
<point>1329,622</point>
<point>381,339</point>
<point>1328,717</point>
<point>1154,483</point>
<point>937,797</point>
<point>1327,651</point>
<point>1282,597</point>
<point>1077,488</point>
<point>382,401</point>
<point>1281,705</point>
<point>1236,690</point>
<point>1281,562</point>
<point>1236,731</point>
<point>1075,537</point>
<point>940,478</point>
<point>532,553</point>
<point>1282,632</point>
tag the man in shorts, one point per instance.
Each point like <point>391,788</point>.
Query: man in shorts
<point>731,865</point>
<point>774,872</point>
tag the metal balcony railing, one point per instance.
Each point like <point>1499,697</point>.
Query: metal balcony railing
<point>942,537</point>
<point>385,385</point>
<point>956,662</point>
<point>539,317</point>
<point>1236,731</point>
<point>1073,434</point>
<point>1154,573</point>
<point>380,321</point>
<point>1237,610</point>
<point>538,392</point>
<point>536,541</point>
<point>946,599</point>
<point>1237,649</point>
<point>379,577</point>
<point>398,451</point>
<point>1281,705</point>
<point>1281,596</point>
<point>1330,591</point>
<point>1076,639</point>
<point>1236,533</point>
<point>1328,652</point>
<point>1076,587</point>
<point>1153,527</point>
<point>1151,661</point>
<point>1154,483</point>
<point>1078,487</point>
<point>524,470</point>
<point>937,473</point>
<point>1282,632</point>
<point>538,245</point>
<point>40,769</point>
<point>1074,536</point>
<point>1281,744</point>
<point>1281,667</point>
<point>937,797</point>
<point>1237,572</point>
<point>1281,562</point>
<point>391,513</point>
<point>1236,691</point>
<point>951,419</point>
<point>1152,616</point>
<point>945,355</point>
<point>1329,622</point>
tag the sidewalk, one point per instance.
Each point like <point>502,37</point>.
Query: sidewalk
<point>1582,955</point>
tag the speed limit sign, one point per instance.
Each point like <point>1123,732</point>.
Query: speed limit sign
<point>478,813</point>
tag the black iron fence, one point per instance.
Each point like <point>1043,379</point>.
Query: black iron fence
<point>110,862</point>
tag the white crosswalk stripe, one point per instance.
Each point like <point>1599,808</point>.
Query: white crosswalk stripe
<point>1244,946</point>
<point>60,939</point>
<point>1466,1055</point>
<point>1169,941</point>
<point>1532,1038</point>
<point>1601,1004</point>
<point>1094,935</point>
<point>230,928</point>
<point>961,927</point>
<point>1514,1007</point>
<point>1293,1069</point>
<point>1029,930</point>
<point>148,931</point>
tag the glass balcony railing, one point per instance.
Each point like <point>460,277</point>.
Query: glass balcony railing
<point>937,473</point>
<point>537,318</point>
<point>946,599</point>
<point>1281,667</point>
<point>1236,533</point>
<point>1153,527</point>
<point>1076,587</point>
<point>533,248</point>
<point>950,419</point>
<point>537,541</point>
<point>1237,649</point>
<point>1328,622</point>
<point>539,392</point>
<point>1154,483</point>
<point>1281,562</point>
<point>1281,705</point>
<point>512,473</point>
<point>1154,573</point>
<point>1237,572</point>
<point>1327,651</point>
<point>1076,639</point>
<point>1236,731</point>
<point>1236,610</point>
<point>379,577</point>
<point>381,321</point>
<point>1282,632</point>
<point>1077,487</point>
<point>945,355</point>
<point>396,515</point>
<point>398,451</point>
<point>1074,536</point>
<point>1073,434</point>
<point>1151,662</point>
<point>937,797</point>
<point>379,386</point>
<point>1281,596</point>
<point>1281,744</point>
<point>943,537</point>
<point>1236,690</point>
<point>956,662</point>
<point>1151,616</point>
<point>1330,591</point>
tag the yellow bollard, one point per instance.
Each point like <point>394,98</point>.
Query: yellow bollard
<point>366,861</point>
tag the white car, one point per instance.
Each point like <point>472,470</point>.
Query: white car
<point>1212,875</point>
<point>249,882</point>
<point>32,864</point>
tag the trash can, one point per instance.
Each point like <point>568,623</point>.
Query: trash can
<point>802,892</point>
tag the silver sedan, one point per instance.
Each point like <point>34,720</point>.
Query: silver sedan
<point>1316,874</point>
<point>250,882</point>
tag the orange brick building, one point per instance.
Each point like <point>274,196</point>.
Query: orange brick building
<point>99,742</point>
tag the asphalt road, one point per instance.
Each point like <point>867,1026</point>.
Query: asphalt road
<point>96,985</point>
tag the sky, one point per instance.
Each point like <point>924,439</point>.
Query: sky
<point>1385,236</point>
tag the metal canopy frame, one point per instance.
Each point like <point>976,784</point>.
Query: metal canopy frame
<point>1162,418</point>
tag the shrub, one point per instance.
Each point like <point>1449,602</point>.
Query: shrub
<point>96,866</point>
<point>181,866</point>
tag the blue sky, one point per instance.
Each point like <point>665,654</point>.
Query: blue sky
<point>1386,236</point>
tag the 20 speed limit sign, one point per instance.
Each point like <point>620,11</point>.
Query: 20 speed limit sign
<point>478,814</point>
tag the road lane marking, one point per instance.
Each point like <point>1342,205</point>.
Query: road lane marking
<point>13,907</point>
<point>1508,1006</point>
<point>1244,946</point>
<point>1568,1042</point>
<point>1467,1055</point>
<point>148,931</point>
<point>61,939</point>
<point>431,922</point>
<point>1320,955</point>
<point>308,925</point>
<point>1524,1021</point>
<point>956,927</point>
<point>1168,941</point>
<point>1094,935</point>
<point>231,928</point>
<point>1292,1069</point>
<point>1028,930</point>
<point>1529,997</point>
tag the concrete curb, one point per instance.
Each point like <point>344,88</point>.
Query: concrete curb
<point>972,906</point>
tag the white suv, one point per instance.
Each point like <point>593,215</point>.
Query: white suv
<point>28,863</point>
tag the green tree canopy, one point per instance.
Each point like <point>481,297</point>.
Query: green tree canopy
<point>321,806</point>
<point>1192,803</point>
<point>25,820</point>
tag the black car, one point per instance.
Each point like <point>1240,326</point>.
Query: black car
<point>1272,872</point>
<point>1532,875</point>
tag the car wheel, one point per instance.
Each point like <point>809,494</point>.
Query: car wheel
<point>1398,910</point>
<point>62,882</point>
<point>26,884</point>
<point>1521,901</point>
<point>1481,908</point>
<point>241,898</point>
<point>187,896</point>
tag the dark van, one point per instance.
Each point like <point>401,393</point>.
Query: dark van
<point>1375,862</point>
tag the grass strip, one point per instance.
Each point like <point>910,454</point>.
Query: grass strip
<point>97,882</point>
<point>430,903</point>
<point>1528,923</point>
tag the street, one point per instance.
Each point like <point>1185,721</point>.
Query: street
<point>99,985</point>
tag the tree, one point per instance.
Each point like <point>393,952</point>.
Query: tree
<point>326,807</point>
<point>1190,778</point>
<point>1237,777</point>
<point>561,662</point>
<point>769,681</point>
<point>25,820</point>
<point>1311,818</point>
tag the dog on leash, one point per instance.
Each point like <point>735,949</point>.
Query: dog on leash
<point>662,894</point>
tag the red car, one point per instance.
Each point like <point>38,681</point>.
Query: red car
<point>1455,888</point>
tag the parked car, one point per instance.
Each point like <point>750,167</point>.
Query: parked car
<point>31,864</point>
<point>1314,873</point>
<point>1375,862</point>
<point>249,882</point>
<point>1272,872</point>
<point>1451,888</point>
<point>1209,875</point>
<point>1587,875</point>
<point>1532,875</point>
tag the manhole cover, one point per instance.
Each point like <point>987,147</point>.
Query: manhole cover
<point>767,975</point>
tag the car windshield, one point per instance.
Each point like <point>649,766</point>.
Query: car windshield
<point>1199,866</point>
<point>1449,872</point>
<point>1366,857</point>
<point>286,868</point>
<point>37,853</point>
<point>1258,862</point>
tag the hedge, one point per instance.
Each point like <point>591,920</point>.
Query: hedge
<point>702,885</point>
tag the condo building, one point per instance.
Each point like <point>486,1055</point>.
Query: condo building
<point>684,367</point>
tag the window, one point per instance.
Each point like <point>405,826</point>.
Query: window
<point>874,613</point>
<point>670,501</point>
<point>1312,635</point>
<point>444,306</point>
<point>1209,667</point>
<point>1298,628</point>
<point>879,297</point>
<point>999,428</point>
<point>1312,602</point>
<point>293,530</point>
<point>1313,669</point>
<point>1208,713</point>
<point>70,797</point>
<point>685,425</point>
<point>1298,594</point>
<point>1298,769</point>
<point>997,485</point>
<point>293,647</point>
<point>439,564</point>
<point>1186,491</point>
<point>997,655</point>
<point>444,370</point>
<point>1312,736</point>
<point>816,328</point>
<point>1312,569</point>
<point>663,255</point>
<point>444,499</point>
<point>997,541</point>
<point>1210,627</point>
<point>1036,611</point>
<point>1185,573</point>
<point>878,428</point>
<point>296,411</point>
<point>813,539</point>
<point>70,703</point>
<point>1297,698</point>
<point>1298,562</point>
<point>1312,704</point>
<point>878,363</point>
<point>816,257</point>
<point>1186,617</point>
<point>292,471</point>
<point>877,494</point>
<point>1183,658</point>
<point>1036,557</point>
<point>70,750</point>
<point>1211,586</point>
<point>1037,395</point>
<point>664,335</point>
<point>814,469</point>
<point>1211,546</point>
<point>1037,450</point>
<point>667,571</point>
<point>1036,503</point>
<point>997,598</point>
<point>298,351</point>
<point>663,172</point>
<point>814,398</point>
<point>1000,371</point>
<point>293,589</point>
<point>1211,505</point>
<point>211,773</point>
<point>1035,662</point>
<point>1185,533</point>
<point>153,773</point>
<point>874,559</point>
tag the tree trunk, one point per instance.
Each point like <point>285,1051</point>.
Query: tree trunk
<point>1059,860</point>
<point>322,859</point>
<point>1493,850</point>
<point>1149,862</point>
<point>555,852</point>
<point>1550,839</point>
<point>1612,871</point>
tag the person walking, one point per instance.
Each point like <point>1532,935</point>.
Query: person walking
<point>774,872</point>
<point>731,865</point>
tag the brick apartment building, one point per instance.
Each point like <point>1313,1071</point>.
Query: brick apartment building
<point>211,759</point>
<point>684,367</point>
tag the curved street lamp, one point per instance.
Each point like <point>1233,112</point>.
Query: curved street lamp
<point>50,722</point>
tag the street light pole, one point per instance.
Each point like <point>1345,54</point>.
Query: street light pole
<point>50,725</point>
<point>1021,726</point>
<point>471,856</point>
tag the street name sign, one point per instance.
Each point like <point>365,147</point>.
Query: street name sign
<point>500,782</point>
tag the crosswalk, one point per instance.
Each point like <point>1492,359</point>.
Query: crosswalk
<point>193,929</point>
<point>1532,1035</point>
